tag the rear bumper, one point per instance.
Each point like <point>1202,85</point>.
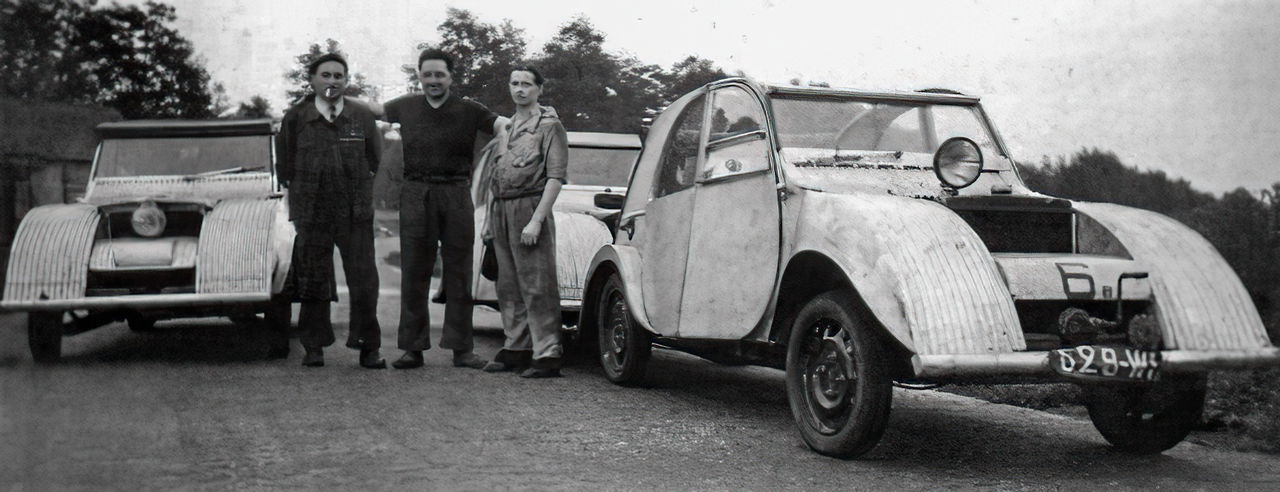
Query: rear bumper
<point>153,301</point>
<point>1036,364</point>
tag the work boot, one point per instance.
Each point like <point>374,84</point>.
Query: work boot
<point>369,359</point>
<point>467,359</point>
<point>410,360</point>
<point>314,357</point>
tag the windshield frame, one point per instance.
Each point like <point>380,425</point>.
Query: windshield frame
<point>930,98</point>
<point>269,168</point>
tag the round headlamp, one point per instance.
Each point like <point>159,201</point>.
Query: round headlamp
<point>957,162</point>
<point>148,220</point>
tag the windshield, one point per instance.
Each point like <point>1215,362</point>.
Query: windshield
<point>855,130</point>
<point>182,156</point>
<point>600,166</point>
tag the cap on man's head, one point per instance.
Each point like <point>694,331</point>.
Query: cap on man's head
<point>322,59</point>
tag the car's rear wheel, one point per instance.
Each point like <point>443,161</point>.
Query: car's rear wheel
<point>140,323</point>
<point>44,335</point>
<point>625,347</point>
<point>1146,419</point>
<point>838,381</point>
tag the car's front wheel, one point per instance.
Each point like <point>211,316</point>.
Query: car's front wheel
<point>44,335</point>
<point>838,382</point>
<point>1148,419</point>
<point>625,347</point>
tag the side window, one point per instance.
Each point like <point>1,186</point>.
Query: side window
<point>734,112</point>
<point>737,144</point>
<point>678,167</point>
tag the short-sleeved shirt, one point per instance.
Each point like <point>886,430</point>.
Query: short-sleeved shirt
<point>439,143</point>
<point>532,152</point>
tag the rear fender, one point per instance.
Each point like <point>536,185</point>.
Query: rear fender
<point>626,262</point>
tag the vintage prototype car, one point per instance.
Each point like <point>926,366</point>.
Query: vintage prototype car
<point>180,219</point>
<point>599,164</point>
<point>858,239</point>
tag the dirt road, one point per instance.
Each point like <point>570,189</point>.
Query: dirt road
<point>194,406</point>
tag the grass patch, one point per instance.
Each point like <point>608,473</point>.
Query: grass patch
<point>1241,406</point>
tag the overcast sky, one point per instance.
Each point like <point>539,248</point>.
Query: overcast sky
<point>1190,87</point>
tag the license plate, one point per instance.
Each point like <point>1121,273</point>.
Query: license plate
<point>1104,362</point>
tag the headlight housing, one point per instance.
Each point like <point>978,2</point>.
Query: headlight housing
<point>958,162</point>
<point>148,220</point>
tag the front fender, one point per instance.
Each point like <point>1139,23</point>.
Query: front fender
<point>921,270</point>
<point>49,259</point>
<point>1199,300</point>
<point>235,254</point>
<point>626,261</point>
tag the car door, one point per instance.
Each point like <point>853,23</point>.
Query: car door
<point>735,225</point>
<point>668,217</point>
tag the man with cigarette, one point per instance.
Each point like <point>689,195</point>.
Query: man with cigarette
<point>328,151</point>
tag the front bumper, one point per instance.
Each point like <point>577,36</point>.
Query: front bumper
<point>151,301</point>
<point>1036,364</point>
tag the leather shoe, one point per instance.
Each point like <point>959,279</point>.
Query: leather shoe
<point>276,353</point>
<point>313,358</point>
<point>410,360</point>
<point>496,366</point>
<point>468,359</point>
<point>537,373</point>
<point>369,359</point>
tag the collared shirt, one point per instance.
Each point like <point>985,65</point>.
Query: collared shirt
<point>329,110</point>
<point>328,166</point>
<point>533,151</point>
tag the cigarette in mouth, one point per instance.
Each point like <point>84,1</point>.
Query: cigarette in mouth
<point>330,92</point>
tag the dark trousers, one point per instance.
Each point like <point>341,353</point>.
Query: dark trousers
<point>435,215</point>
<point>528,290</point>
<point>356,248</point>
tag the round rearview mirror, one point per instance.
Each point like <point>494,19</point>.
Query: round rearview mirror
<point>957,162</point>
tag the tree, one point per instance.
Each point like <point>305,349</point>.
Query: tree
<point>686,75</point>
<point>593,89</point>
<point>301,81</point>
<point>124,57</point>
<point>257,107</point>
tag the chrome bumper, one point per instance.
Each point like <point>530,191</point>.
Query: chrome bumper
<point>151,301</point>
<point>1036,364</point>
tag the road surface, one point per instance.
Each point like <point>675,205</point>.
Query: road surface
<point>193,405</point>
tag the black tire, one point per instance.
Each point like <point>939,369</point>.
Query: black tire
<point>1148,419</point>
<point>624,346</point>
<point>141,324</point>
<point>838,380</point>
<point>44,335</point>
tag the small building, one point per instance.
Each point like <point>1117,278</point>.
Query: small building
<point>46,150</point>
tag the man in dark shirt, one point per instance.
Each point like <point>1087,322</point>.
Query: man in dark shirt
<point>328,150</point>
<point>438,130</point>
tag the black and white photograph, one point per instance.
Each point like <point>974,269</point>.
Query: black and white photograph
<point>661,245</point>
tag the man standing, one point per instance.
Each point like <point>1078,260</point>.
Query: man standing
<point>438,130</point>
<point>328,150</point>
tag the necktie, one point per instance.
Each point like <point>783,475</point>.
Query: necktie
<point>333,114</point>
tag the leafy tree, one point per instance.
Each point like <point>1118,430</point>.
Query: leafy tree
<point>686,75</point>
<point>220,103</point>
<point>483,56</point>
<point>256,107</point>
<point>301,81</point>
<point>124,57</point>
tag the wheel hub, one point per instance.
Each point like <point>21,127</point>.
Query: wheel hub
<point>830,375</point>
